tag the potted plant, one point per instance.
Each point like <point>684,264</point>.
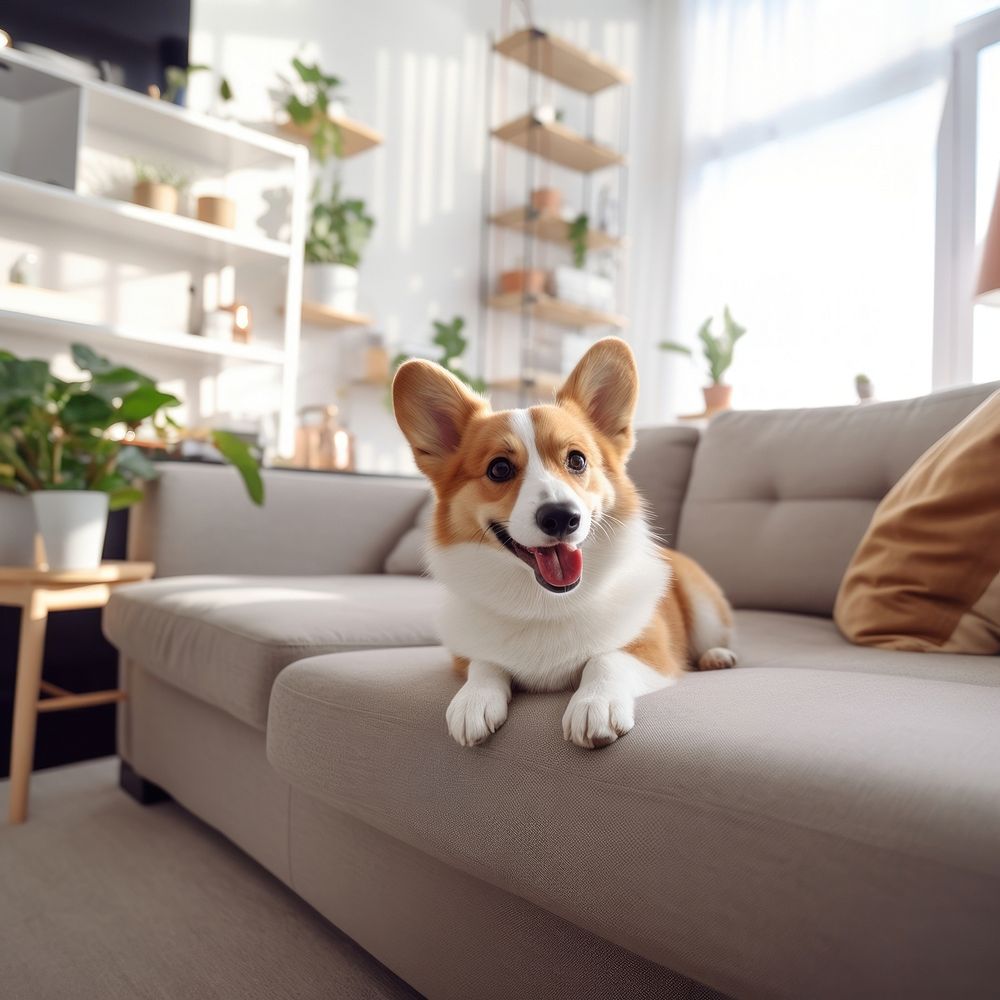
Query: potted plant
<point>522,281</point>
<point>338,231</point>
<point>575,284</point>
<point>157,186</point>
<point>312,102</point>
<point>718,352</point>
<point>546,202</point>
<point>67,446</point>
<point>179,77</point>
<point>449,337</point>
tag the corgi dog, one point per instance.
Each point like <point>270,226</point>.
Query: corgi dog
<point>553,579</point>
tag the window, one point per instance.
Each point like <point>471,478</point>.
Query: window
<point>811,188</point>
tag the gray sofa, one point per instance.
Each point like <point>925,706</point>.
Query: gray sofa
<point>822,821</point>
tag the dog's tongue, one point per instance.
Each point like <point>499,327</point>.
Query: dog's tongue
<point>559,565</point>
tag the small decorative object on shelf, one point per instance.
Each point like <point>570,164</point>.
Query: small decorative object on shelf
<point>321,443</point>
<point>523,281</point>
<point>157,186</point>
<point>338,232</point>
<point>217,324</point>
<point>68,445</point>
<point>377,365</point>
<point>242,322</point>
<point>26,271</point>
<point>718,352</point>
<point>217,210</point>
<point>546,202</point>
<point>864,388</point>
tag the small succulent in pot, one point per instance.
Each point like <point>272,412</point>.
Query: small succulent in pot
<point>68,442</point>
<point>718,351</point>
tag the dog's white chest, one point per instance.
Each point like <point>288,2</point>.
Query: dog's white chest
<point>548,653</point>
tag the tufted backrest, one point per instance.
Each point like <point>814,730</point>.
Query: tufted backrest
<point>779,499</point>
<point>660,467</point>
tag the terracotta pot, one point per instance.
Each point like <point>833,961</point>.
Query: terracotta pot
<point>162,197</point>
<point>524,281</point>
<point>717,397</point>
<point>217,211</point>
<point>546,201</point>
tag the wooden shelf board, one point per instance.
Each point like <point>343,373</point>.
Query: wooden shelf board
<point>553,310</point>
<point>561,61</point>
<point>147,340</point>
<point>555,142</point>
<point>551,228</point>
<point>358,138</point>
<point>316,314</point>
<point>175,233</point>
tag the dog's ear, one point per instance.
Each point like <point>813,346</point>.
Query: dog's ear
<point>432,408</point>
<point>604,384</point>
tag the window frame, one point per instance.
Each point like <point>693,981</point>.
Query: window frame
<point>955,252</point>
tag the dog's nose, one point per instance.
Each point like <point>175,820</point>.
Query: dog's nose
<point>557,520</point>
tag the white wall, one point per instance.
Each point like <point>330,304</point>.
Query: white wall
<point>415,70</point>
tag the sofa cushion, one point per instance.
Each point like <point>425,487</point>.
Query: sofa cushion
<point>780,639</point>
<point>768,832</point>
<point>779,499</point>
<point>926,575</point>
<point>407,556</point>
<point>225,638</point>
<point>660,466</point>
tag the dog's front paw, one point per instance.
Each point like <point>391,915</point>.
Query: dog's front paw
<point>475,713</point>
<point>595,719</point>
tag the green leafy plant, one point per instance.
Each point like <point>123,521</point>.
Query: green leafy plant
<point>338,231</point>
<point>577,234</point>
<point>449,337</point>
<point>718,350</point>
<point>60,435</point>
<point>158,173</point>
<point>179,77</point>
<point>308,106</point>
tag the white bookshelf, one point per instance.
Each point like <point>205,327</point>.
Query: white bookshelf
<point>159,343</point>
<point>65,184</point>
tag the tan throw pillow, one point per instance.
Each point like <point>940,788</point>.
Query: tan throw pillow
<point>926,575</point>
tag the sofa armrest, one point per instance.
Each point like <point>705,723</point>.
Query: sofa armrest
<point>660,467</point>
<point>197,519</point>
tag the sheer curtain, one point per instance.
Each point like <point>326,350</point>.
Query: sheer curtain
<point>808,192</point>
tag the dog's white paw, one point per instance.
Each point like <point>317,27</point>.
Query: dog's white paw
<point>476,713</point>
<point>595,719</point>
<point>717,658</point>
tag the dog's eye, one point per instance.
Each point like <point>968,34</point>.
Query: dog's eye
<point>500,470</point>
<point>576,461</point>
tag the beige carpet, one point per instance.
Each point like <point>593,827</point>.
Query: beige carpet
<point>103,898</point>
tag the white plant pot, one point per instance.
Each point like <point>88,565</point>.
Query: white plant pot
<point>583,288</point>
<point>331,285</point>
<point>17,530</point>
<point>72,524</point>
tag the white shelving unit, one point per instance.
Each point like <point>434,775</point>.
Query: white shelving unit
<point>165,343</point>
<point>65,184</point>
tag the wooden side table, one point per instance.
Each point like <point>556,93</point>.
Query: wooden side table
<point>37,592</point>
